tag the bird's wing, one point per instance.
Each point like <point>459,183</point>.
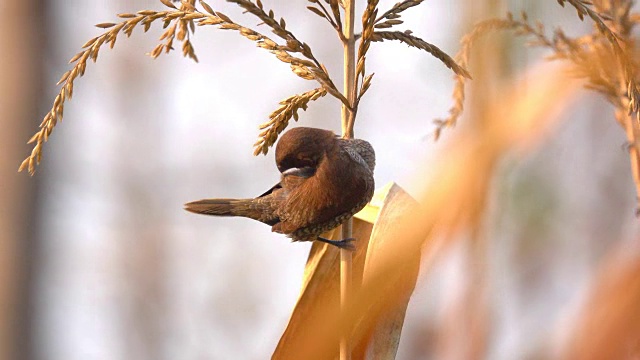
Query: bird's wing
<point>292,178</point>
<point>273,188</point>
<point>277,194</point>
<point>322,198</point>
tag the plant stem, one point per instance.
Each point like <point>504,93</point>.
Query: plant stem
<point>346,259</point>
<point>627,120</point>
<point>349,83</point>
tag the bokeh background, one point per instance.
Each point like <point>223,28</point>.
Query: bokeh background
<point>99,261</point>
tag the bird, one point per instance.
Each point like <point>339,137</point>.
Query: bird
<point>324,180</point>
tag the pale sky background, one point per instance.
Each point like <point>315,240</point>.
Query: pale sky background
<point>127,267</point>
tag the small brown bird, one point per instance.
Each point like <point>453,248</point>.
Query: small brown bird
<point>325,180</point>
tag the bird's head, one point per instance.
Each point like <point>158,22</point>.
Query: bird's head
<point>303,147</point>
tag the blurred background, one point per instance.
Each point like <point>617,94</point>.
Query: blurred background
<point>99,261</point>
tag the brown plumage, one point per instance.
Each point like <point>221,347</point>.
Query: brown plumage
<point>324,181</point>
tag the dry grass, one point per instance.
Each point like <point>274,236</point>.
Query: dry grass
<point>279,119</point>
<point>609,324</point>
<point>577,51</point>
<point>180,22</point>
<point>455,201</point>
<point>395,12</point>
<point>182,19</point>
<point>414,41</point>
<point>604,58</point>
<point>449,207</point>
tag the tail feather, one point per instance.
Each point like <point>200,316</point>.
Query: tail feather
<point>249,208</point>
<point>217,207</point>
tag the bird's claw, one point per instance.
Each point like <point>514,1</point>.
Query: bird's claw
<point>342,244</point>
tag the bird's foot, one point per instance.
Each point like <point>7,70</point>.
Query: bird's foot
<point>342,244</point>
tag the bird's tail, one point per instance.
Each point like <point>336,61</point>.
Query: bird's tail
<point>217,207</point>
<point>229,207</point>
